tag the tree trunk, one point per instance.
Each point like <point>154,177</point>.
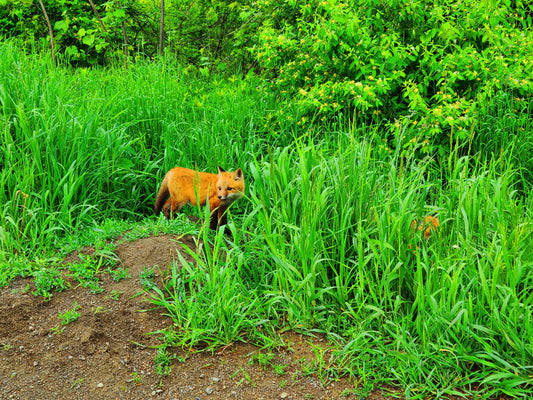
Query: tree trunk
<point>97,15</point>
<point>162,27</point>
<point>125,44</point>
<point>49,30</point>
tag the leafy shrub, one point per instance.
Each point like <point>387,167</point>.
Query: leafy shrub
<point>212,34</point>
<point>206,34</point>
<point>80,34</point>
<point>426,69</point>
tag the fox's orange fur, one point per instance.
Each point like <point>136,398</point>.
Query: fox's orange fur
<point>429,224</point>
<point>181,186</point>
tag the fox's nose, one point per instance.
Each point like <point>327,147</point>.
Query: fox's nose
<point>222,197</point>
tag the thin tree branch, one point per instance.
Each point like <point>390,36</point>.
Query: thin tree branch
<point>97,15</point>
<point>161,27</point>
<point>49,30</point>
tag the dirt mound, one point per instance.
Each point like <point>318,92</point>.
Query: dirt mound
<point>107,353</point>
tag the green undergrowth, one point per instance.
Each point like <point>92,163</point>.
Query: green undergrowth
<point>328,247</point>
<point>322,241</point>
<point>102,239</point>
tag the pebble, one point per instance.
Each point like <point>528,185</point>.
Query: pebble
<point>209,390</point>
<point>100,385</point>
<point>215,379</point>
<point>284,395</point>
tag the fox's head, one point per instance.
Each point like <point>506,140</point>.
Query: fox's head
<point>230,185</point>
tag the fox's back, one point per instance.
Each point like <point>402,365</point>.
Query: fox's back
<point>192,184</point>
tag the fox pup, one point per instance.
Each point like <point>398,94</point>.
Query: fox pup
<point>429,224</point>
<point>181,186</point>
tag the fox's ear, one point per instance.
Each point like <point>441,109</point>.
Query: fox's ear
<point>238,174</point>
<point>220,170</point>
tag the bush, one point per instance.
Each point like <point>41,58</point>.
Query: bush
<point>205,34</point>
<point>427,70</point>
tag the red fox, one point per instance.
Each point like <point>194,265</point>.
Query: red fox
<point>181,186</point>
<point>430,223</point>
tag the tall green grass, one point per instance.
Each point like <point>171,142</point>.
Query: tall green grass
<point>83,145</point>
<point>321,241</point>
<point>327,247</point>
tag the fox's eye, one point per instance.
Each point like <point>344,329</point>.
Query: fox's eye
<point>230,188</point>
<point>219,188</point>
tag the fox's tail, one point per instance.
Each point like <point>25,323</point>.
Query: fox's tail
<point>162,196</point>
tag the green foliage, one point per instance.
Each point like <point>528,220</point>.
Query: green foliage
<point>48,279</point>
<point>70,315</point>
<point>321,242</point>
<point>78,34</point>
<point>336,222</point>
<point>204,34</point>
<point>188,295</point>
<point>430,68</point>
<point>119,273</point>
<point>78,145</point>
<point>212,34</point>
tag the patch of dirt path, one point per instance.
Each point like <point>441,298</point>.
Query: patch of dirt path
<point>107,354</point>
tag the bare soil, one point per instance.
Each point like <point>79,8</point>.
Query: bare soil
<point>108,353</point>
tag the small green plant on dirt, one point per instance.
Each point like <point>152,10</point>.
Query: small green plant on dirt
<point>263,359</point>
<point>48,279</point>
<point>163,360</point>
<point>119,273</point>
<point>93,287</point>
<point>77,383</point>
<point>86,271</point>
<point>136,378</point>
<point>25,289</point>
<point>7,346</point>
<point>115,294</point>
<point>279,369</point>
<point>246,377</point>
<point>70,315</point>
<point>57,329</point>
<point>147,278</point>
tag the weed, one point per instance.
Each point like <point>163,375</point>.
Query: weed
<point>163,360</point>
<point>118,274</point>
<point>57,329</point>
<point>93,287</point>
<point>136,378</point>
<point>279,369</point>
<point>77,383</point>
<point>146,278</point>
<point>246,377</point>
<point>262,359</point>
<point>115,294</point>
<point>47,280</point>
<point>70,315</point>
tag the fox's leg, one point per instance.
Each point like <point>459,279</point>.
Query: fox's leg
<point>166,209</point>
<point>213,220</point>
<point>219,218</point>
<point>222,217</point>
<point>173,206</point>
